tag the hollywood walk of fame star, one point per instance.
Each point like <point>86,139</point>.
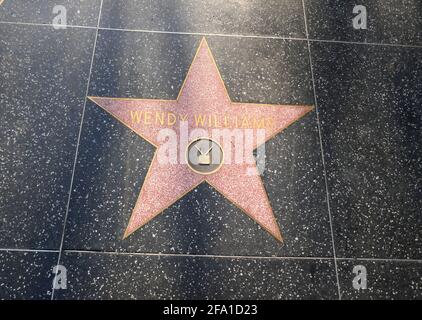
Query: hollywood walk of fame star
<point>203,92</point>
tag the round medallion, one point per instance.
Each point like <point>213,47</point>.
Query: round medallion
<point>204,156</point>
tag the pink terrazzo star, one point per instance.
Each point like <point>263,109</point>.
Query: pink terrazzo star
<point>203,93</point>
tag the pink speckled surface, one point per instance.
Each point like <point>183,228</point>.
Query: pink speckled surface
<point>202,93</point>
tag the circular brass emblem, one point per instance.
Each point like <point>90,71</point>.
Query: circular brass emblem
<point>204,156</point>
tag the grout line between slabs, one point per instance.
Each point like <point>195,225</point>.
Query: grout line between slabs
<point>322,153</point>
<point>78,141</point>
<point>28,250</point>
<point>124,253</point>
<point>238,257</point>
<point>222,35</point>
